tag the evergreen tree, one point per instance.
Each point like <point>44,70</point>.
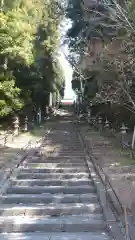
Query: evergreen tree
<point>29,39</point>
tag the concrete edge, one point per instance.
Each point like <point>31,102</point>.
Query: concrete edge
<point>12,173</point>
<point>131,226</point>
<point>114,228</point>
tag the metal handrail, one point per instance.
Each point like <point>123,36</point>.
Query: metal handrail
<point>101,169</point>
<point>105,179</point>
<point>124,221</point>
<point>24,148</point>
<point>7,134</point>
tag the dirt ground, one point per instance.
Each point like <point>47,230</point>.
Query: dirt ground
<point>116,163</point>
<point>12,149</point>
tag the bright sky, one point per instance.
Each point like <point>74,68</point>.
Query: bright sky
<point>67,69</point>
<point>68,76</point>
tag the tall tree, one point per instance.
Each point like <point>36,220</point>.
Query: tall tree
<point>29,39</point>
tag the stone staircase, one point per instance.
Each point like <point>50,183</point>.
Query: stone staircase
<point>54,197</point>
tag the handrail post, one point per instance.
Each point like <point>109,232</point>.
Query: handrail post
<point>106,189</point>
<point>5,140</point>
<point>26,124</point>
<point>126,223</point>
<point>16,126</point>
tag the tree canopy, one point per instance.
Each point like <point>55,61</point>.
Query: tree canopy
<point>29,42</point>
<point>112,71</point>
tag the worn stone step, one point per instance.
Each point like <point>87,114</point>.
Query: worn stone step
<point>70,154</point>
<point>73,148</point>
<point>60,162</point>
<point>55,236</point>
<point>66,145</point>
<point>53,165</point>
<point>70,141</point>
<point>51,189</point>
<point>58,176</point>
<point>53,170</point>
<point>53,196</point>
<point>54,182</point>
<point>73,223</point>
<point>48,198</point>
<point>49,209</point>
<point>65,157</point>
<point>55,160</point>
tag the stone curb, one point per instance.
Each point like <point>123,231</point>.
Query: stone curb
<point>131,226</point>
<point>116,230</point>
<point>12,173</point>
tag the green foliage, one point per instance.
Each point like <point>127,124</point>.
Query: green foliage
<point>9,96</point>
<point>76,81</point>
<point>114,78</point>
<point>75,84</point>
<point>29,38</point>
<point>97,21</point>
<point>16,37</point>
<point>59,79</point>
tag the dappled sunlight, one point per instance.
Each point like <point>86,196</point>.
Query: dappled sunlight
<point>48,210</point>
<point>18,236</point>
<point>53,193</point>
<point>8,158</point>
<point>50,149</point>
<point>114,164</point>
<point>54,236</point>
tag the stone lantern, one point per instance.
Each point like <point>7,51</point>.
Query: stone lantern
<point>16,125</point>
<point>100,124</point>
<point>93,120</point>
<point>26,124</point>
<point>107,124</point>
<point>123,135</point>
<point>99,120</point>
<point>123,129</point>
<point>89,115</point>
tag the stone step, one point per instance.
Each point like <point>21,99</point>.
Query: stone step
<point>69,141</point>
<point>53,197</point>
<point>73,148</point>
<point>72,157</point>
<point>66,142</point>
<point>72,223</point>
<point>63,157</point>
<point>69,144</point>
<point>55,236</point>
<point>53,165</point>
<point>53,170</point>
<point>51,189</point>
<point>70,154</point>
<point>56,161</point>
<point>54,182</point>
<point>52,176</point>
<point>48,198</point>
<point>49,209</point>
